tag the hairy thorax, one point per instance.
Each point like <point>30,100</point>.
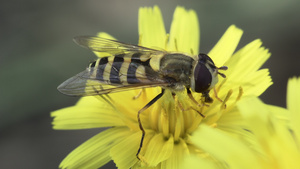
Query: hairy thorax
<point>177,69</point>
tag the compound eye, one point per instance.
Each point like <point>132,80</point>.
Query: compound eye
<point>202,78</point>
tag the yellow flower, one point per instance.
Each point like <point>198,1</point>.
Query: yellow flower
<point>276,137</point>
<point>171,120</point>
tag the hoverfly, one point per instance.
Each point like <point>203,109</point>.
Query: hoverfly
<point>131,67</point>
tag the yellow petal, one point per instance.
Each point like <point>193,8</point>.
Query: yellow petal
<point>184,33</point>
<point>121,108</point>
<point>175,161</point>
<point>95,152</point>
<point>248,59</point>
<point>151,28</point>
<point>124,153</point>
<point>242,70</point>
<point>273,136</point>
<point>261,79</point>
<point>293,104</point>
<point>86,114</point>
<point>158,149</point>
<point>293,96</point>
<point>280,113</point>
<point>198,163</point>
<point>224,148</point>
<point>225,47</point>
<point>253,109</point>
<point>232,121</point>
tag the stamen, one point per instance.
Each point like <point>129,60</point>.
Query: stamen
<point>138,95</point>
<point>176,47</point>
<point>223,106</point>
<point>167,40</point>
<point>221,84</point>
<point>241,92</point>
<point>180,106</point>
<point>216,95</point>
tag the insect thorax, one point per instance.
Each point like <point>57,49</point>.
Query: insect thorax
<point>177,69</point>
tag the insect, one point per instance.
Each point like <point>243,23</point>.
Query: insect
<point>132,67</point>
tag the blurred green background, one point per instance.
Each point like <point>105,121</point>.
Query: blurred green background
<point>37,54</point>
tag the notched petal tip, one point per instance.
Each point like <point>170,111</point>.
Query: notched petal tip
<point>184,32</point>
<point>225,47</point>
<point>151,27</point>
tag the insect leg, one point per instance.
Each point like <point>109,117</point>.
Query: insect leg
<point>191,96</point>
<point>193,99</point>
<point>199,112</point>
<point>182,109</point>
<point>206,96</point>
<point>139,119</point>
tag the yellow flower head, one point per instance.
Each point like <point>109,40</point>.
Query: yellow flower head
<point>275,142</point>
<point>171,120</point>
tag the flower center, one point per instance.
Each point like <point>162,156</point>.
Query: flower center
<point>174,115</point>
<point>178,116</point>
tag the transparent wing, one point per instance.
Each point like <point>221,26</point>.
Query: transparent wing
<point>89,82</point>
<point>113,47</point>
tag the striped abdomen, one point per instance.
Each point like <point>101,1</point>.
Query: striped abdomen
<point>123,69</point>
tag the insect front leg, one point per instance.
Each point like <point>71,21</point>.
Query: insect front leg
<point>182,109</point>
<point>189,93</point>
<point>200,105</point>
<point>206,97</point>
<point>139,119</point>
